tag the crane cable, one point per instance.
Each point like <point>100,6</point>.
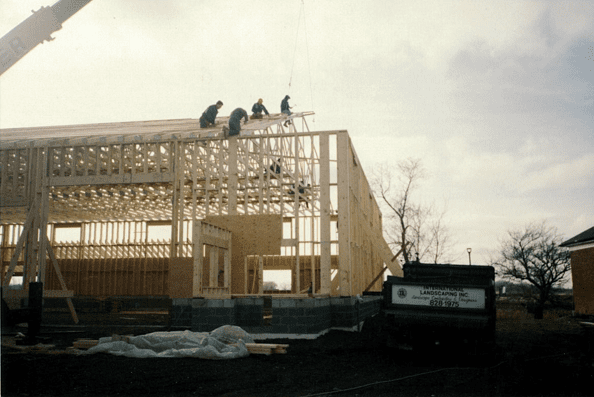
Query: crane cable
<point>302,11</point>
<point>296,39</point>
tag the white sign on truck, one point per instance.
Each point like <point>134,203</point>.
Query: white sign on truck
<point>438,296</point>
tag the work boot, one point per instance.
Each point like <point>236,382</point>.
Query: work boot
<point>225,131</point>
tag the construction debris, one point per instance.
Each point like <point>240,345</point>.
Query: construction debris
<point>253,348</point>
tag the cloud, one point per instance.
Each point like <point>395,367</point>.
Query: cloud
<point>575,174</point>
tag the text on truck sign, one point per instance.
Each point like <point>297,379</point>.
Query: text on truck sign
<point>438,296</point>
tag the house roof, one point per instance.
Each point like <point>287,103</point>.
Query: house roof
<point>130,132</point>
<point>582,238</point>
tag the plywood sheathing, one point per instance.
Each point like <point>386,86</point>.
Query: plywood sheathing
<point>360,226</point>
<point>181,278</point>
<point>251,235</point>
<point>131,132</point>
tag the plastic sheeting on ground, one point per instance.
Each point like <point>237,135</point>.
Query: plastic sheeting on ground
<point>226,342</point>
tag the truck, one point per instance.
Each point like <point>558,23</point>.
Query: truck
<point>439,305</point>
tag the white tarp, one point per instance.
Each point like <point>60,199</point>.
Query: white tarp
<point>223,343</point>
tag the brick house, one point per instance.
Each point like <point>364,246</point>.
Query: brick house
<point>581,248</point>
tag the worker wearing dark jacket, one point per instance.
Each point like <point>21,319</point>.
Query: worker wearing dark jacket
<point>235,121</point>
<point>258,108</point>
<point>210,114</point>
<point>285,108</point>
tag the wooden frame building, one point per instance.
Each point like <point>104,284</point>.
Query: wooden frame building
<point>272,198</point>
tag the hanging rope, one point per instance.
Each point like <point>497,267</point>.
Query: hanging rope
<point>308,64</point>
<point>302,11</point>
<point>296,38</point>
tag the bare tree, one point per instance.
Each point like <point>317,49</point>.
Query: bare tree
<point>412,227</point>
<point>532,254</point>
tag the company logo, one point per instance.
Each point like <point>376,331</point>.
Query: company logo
<point>402,293</point>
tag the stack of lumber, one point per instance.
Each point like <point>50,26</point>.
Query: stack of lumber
<point>266,348</point>
<point>84,343</point>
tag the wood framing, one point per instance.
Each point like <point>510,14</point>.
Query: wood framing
<point>271,198</point>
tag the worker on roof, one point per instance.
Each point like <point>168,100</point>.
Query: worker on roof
<point>286,109</point>
<point>257,110</point>
<point>235,122</point>
<point>210,114</point>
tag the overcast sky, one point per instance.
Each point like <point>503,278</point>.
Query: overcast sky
<point>496,97</point>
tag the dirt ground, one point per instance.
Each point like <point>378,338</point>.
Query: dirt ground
<point>534,358</point>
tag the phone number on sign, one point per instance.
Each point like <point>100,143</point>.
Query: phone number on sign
<point>440,303</point>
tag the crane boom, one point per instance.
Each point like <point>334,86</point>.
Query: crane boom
<point>35,30</point>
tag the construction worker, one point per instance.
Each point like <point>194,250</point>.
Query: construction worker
<point>210,114</point>
<point>286,109</point>
<point>235,122</point>
<point>257,110</point>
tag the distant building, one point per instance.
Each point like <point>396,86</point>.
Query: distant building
<point>581,248</point>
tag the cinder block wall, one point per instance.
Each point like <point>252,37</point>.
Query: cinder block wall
<point>260,315</point>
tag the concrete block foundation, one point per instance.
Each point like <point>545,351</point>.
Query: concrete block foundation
<point>276,317</point>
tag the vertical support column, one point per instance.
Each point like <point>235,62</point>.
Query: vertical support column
<point>227,263</point>
<point>232,177</point>
<point>207,171</point>
<point>221,175</point>
<point>214,266</point>
<point>195,179</point>
<point>312,257</point>
<point>32,242</point>
<point>245,275</point>
<point>43,210</point>
<point>3,245</point>
<point>260,274</point>
<point>261,166</point>
<point>325,253</point>
<point>344,240</point>
<point>175,157</point>
<point>197,257</point>
<point>296,215</point>
<point>181,156</point>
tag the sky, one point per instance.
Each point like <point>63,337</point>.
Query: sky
<point>496,98</point>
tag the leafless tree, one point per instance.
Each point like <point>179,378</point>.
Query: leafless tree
<point>532,254</point>
<point>411,227</point>
<point>269,286</point>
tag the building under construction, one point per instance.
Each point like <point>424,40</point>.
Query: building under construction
<point>165,209</point>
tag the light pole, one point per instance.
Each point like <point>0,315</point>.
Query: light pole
<point>469,250</point>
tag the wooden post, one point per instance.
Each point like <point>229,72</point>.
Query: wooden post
<point>344,212</point>
<point>197,257</point>
<point>43,211</point>
<point>232,177</point>
<point>260,274</point>
<point>214,266</point>
<point>297,183</point>
<point>325,252</point>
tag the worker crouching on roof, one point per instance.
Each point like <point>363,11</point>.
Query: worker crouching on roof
<point>210,114</point>
<point>257,110</point>
<point>286,109</point>
<point>235,122</point>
